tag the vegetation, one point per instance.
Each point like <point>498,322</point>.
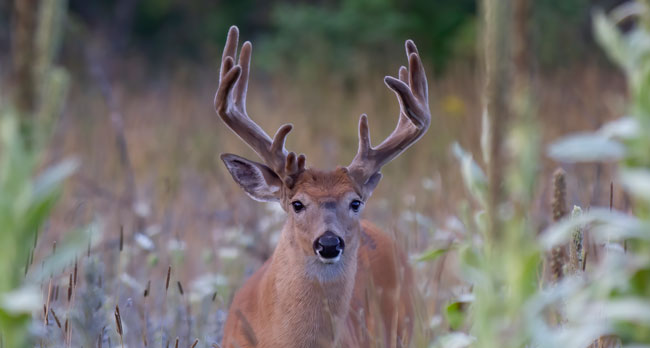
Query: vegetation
<point>147,241</point>
<point>566,305</point>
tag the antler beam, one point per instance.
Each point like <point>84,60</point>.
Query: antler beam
<point>414,119</point>
<point>230,105</point>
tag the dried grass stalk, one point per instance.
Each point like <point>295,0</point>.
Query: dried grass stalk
<point>118,323</point>
<point>576,251</point>
<point>557,258</point>
<point>169,272</point>
<point>47,302</point>
<point>58,323</point>
<point>180,288</point>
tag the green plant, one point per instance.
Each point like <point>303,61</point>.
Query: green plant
<point>27,192</point>
<point>618,285</point>
<point>610,302</point>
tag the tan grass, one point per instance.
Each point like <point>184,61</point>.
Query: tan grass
<point>194,212</point>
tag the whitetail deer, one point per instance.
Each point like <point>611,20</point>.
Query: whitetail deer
<point>334,280</point>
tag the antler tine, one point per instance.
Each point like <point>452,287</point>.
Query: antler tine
<point>414,120</point>
<point>230,105</point>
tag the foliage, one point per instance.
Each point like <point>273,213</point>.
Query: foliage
<point>335,35</point>
<point>27,192</point>
<point>512,304</point>
<point>506,302</point>
<point>25,204</point>
<point>558,23</point>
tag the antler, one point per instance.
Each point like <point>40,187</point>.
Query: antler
<point>230,104</point>
<point>414,120</point>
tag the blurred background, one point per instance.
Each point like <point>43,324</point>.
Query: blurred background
<point>139,118</point>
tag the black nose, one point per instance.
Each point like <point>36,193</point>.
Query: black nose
<point>329,245</point>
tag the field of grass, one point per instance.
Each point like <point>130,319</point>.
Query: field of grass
<point>183,212</point>
<point>151,237</point>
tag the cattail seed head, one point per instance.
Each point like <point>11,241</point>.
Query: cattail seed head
<point>611,195</point>
<point>121,237</point>
<point>58,323</point>
<point>559,194</point>
<point>70,288</point>
<point>169,272</point>
<point>118,320</point>
<point>75,272</point>
<point>576,252</point>
<point>559,211</point>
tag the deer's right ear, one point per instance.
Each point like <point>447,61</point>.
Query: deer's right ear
<point>258,180</point>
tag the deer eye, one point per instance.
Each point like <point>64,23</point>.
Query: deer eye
<point>355,205</point>
<point>297,206</point>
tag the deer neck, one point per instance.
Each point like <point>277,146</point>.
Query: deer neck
<point>310,300</point>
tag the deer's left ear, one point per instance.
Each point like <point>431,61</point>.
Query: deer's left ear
<point>258,180</point>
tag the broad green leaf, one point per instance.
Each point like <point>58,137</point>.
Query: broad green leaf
<point>604,224</point>
<point>432,255</point>
<point>25,300</point>
<point>52,178</point>
<point>74,244</point>
<point>610,38</point>
<point>456,311</point>
<point>586,147</point>
<point>621,128</point>
<point>455,340</point>
<point>636,182</point>
<point>473,176</point>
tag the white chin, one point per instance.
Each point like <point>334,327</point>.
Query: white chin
<point>332,260</point>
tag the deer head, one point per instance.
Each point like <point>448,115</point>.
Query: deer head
<point>323,207</point>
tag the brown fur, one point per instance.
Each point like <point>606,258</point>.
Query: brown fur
<point>355,293</point>
<point>292,301</point>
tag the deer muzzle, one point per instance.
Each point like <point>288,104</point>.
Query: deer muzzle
<point>329,247</point>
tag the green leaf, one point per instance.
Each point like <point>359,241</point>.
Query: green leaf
<point>622,128</point>
<point>455,340</point>
<point>636,182</point>
<point>22,301</point>
<point>456,311</point>
<point>473,176</point>
<point>605,225</point>
<point>432,255</point>
<point>74,244</point>
<point>586,147</point>
<point>611,40</point>
<point>52,178</point>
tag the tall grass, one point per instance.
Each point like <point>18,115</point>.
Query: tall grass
<point>29,190</point>
<point>598,297</point>
<point>188,227</point>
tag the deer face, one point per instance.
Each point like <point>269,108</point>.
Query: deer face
<point>323,208</point>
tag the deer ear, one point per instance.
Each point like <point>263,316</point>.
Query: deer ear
<point>371,184</point>
<point>258,180</point>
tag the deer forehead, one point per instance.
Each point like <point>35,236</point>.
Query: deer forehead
<point>324,185</point>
